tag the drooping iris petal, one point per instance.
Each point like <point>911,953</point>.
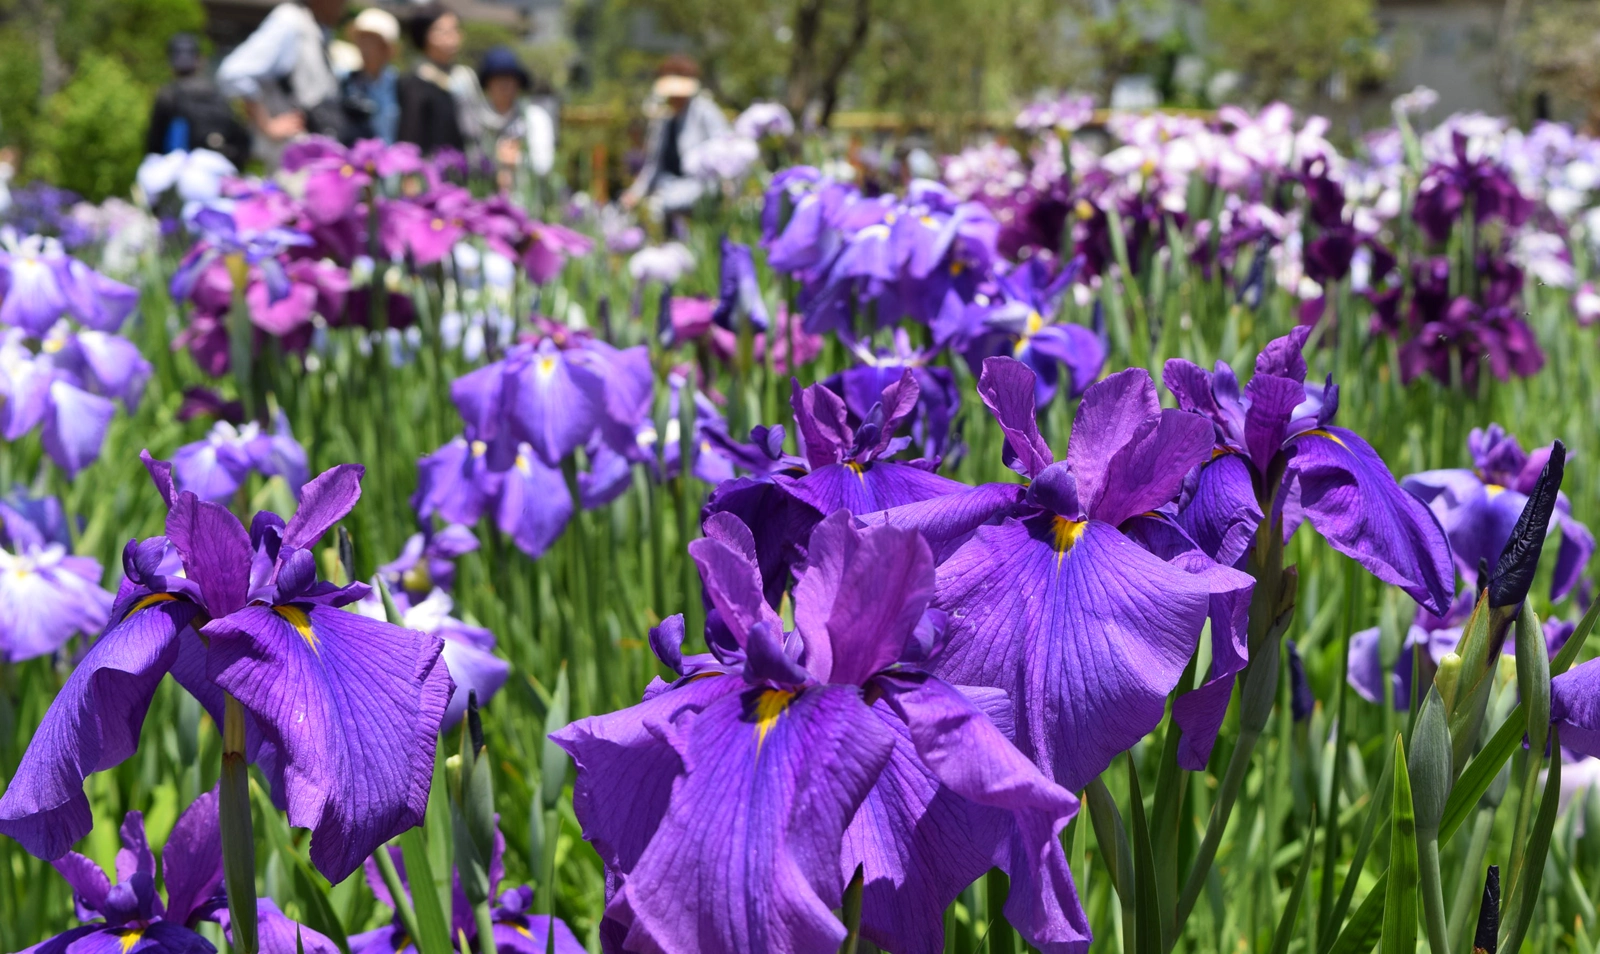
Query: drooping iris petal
<point>122,371</point>
<point>75,426</point>
<point>1221,514</point>
<point>627,762</point>
<point>92,724</point>
<point>353,706</point>
<point>772,780</point>
<point>1010,813</point>
<point>473,670</point>
<point>211,469</point>
<point>555,403</point>
<point>1577,546</point>
<point>1088,632</point>
<point>534,504</point>
<point>46,597</point>
<point>1007,390</point>
<point>1341,485</point>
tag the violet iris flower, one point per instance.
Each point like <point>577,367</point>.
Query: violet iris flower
<point>130,916</point>
<point>1447,186</point>
<point>216,466</point>
<point>66,389</point>
<point>46,594</point>
<point>427,561</point>
<point>938,399</point>
<point>341,712</point>
<point>529,500</point>
<point>1278,451</point>
<point>1016,326</point>
<point>779,763</point>
<point>1478,508</point>
<point>40,284</point>
<point>1087,630</point>
<point>515,928</point>
<point>740,294</point>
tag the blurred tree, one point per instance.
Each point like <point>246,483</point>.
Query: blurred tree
<point>1561,41</point>
<point>1287,48</point>
<point>47,47</point>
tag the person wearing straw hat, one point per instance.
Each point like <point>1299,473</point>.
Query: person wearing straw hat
<point>682,116</point>
<point>371,93</point>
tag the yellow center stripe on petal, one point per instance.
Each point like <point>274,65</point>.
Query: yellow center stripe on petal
<point>1067,533</point>
<point>146,602</point>
<point>857,469</point>
<point>129,938</point>
<point>523,931</point>
<point>296,617</point>
<point>1493,490</point>
<point>1320,432</point>
<point>769,707</point>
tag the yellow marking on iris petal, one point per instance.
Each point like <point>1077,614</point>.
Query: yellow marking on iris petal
<point>546,367</point>
<point>769,707</point>
<point>857,469</point>
<point>1322,432</point>
<point>523,931</point>
<point>1083,209</point>
<point>52,345</point>
<point>1493,490</point>
<point>296,617</point>
<point>1067,533</point>
<point>347,170</point>
<point>148,601</point>
<point>479,448</point>
<point>129,938</point>
<point>956,268</point>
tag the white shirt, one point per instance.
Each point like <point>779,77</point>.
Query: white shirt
<point>289,44</point>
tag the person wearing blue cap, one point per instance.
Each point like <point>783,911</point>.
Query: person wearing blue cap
<point>512,123</point>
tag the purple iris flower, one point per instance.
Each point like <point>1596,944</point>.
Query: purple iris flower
<point>529,500</point>
<point>1278,452</point>
<point>129,917</point>
<point>779,763</point>
<point>341,712</point>
<point>938,399</point>
<point>427,561</point>
<point>1016,325</point>
<point>740,294</point>
<point>40,284</point>
<point>468,650</point>
<point>1478,508</point>
<point>216,466</point>
<point>1438,636</point>
<point>515,928</point>
<point>66,389</point>
<point>46,594</point>
<point>1084,627</point>
<point>1447,187</point>
<point>221,236</point>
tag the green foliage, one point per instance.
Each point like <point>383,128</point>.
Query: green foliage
<point>92,136</point>
<point>1285,47</point>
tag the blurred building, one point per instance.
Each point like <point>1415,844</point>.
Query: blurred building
<point>228,22</point>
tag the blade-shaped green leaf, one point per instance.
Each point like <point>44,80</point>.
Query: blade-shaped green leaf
<point>1291,911</point>
<point>1146,907</point>
<point>433,927</point>
<point>1362,930</point>
<point>1526,898</point>
<point>1400,904</point>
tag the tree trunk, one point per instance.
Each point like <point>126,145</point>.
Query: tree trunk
<point>846,55</point>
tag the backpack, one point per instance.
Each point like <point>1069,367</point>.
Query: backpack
<point>211,120</point>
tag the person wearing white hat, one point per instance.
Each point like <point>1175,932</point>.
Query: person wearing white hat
<point>682,117</point>
<point>371,94</point>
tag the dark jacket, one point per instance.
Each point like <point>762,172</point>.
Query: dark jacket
<point>428,112</point>
<point>208,120</point>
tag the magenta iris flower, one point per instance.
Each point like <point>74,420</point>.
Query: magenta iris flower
<point>1478,508</point>
<point>342,712</point>
<point>46,594</point>
<point>779,763</point>
<point>1055,594</point>
<point>130,917</point>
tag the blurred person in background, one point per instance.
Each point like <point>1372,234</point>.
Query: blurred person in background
<point>372,92</point>
<point>190,112</point>
<point>511,122</point>
<point>283,75</point>
<point>682,117</point>
<point>431,95</point>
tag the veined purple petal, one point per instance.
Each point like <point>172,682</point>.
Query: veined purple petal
<point>1087,631</point>
<point>279,935</point>
<point>46,597</point>
<point>92,724</point>
<point>191,862</point>
<point>34,297</point>
<point>216,551</point>
<point>731,577</point>
<point>948,520</point>
<point>473,670</point>
<point>821,424</point>
<point>964,750</point>
<point>1146,472</point>
<point>1575,707</point>
<point>555,403</point>
<point>90,886</point>
<point>160,937</point>
<point>534,503</point>
<point>1343,487</point>
<point>1266,421</point>
<point>864,488</point>
<point>1221,513</point>
<point>211,470</point>
<point>627,763</point>
<point>1006,386</point>
<point>772,779</point>
<point>530,934</point>
<point>861,597</point>
<point>324,502</point>
<point>780,514</point>
<point>353,705</point>
<point>1109,417</point>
